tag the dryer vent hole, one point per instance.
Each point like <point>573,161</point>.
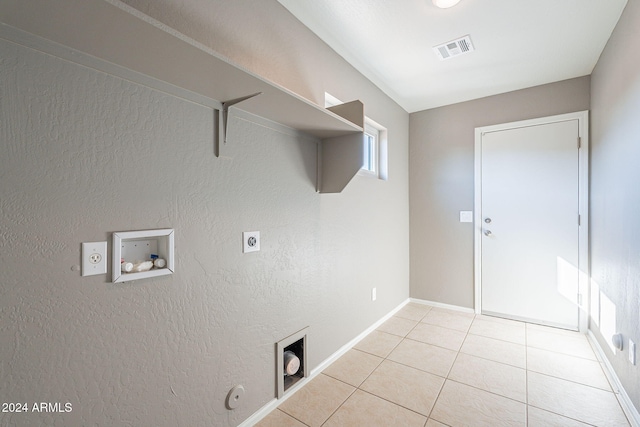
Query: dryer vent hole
<point>291,356</point>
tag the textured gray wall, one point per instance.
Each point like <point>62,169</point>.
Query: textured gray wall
<point>441,156</point>
<point>84,154</point>
<point>615,188</point>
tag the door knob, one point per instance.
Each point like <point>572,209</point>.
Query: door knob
<point>487,220</point>
<point>488,233</point>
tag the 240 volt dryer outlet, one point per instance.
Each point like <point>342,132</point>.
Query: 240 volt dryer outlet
<point>251,241</point>
<point>94,258</point>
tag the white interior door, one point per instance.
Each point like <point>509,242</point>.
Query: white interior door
<point>530,231</point>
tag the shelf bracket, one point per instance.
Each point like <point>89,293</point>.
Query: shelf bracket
<point>225,113</point>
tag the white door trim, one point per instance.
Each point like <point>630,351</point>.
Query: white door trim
<point>583,170</point>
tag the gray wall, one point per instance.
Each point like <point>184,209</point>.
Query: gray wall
<point>615,188</point>
<point>441,153</point>
<point>84,154</point>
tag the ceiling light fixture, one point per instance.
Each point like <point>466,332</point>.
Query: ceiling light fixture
<point>443,4</point>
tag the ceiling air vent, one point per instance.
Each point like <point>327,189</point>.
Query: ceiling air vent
<point>454,48</point>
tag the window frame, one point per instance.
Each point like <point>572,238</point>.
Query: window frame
<point>377,157</point>
<point>370,166</point>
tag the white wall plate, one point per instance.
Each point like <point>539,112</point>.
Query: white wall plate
<point>466,216</point>
<point>250,241</point>
<point>94,258</point>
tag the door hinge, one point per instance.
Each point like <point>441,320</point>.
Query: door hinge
<point>579,299</point>
<point>579,220</point>
<point>579,143</point>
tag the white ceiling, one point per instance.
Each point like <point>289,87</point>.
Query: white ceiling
<point>518,43</point>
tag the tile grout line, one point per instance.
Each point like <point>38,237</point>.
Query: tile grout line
<point>300,421</point>
<point>393,403</point>
<point>435,401</point>
<point>526,369</point>
<point>289,415</point>
<point>478,388</point>
<point>458,352</point>
<point>527,404</point>
<point>391,361</point>
<point>382,361</point>
<point>573,382</point>
<point>357,388</point>
<point>564,354</point>
<point>340,405</point>
<point>387,358</point>
<point>428,343</point>
<point>552,376</point>
<point>494,338</point>
<point>489,392</point>
<point>563,416</point>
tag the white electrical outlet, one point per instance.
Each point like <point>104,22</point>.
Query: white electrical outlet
<point>94,258</point>
<point>373,294</point>
<point>632,352</point>
<point>251,241</point>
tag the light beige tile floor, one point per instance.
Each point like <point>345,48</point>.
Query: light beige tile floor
<point>432,367</point>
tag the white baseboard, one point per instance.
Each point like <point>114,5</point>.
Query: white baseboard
<point>442,305</point>
<point>625,401</point>
<point>274,403</point>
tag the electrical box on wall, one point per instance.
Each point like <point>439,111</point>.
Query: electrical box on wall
<point>142,254</point>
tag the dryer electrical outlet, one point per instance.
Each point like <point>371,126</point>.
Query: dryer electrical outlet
<point>251,241</point>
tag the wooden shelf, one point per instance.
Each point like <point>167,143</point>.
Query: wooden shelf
<point>117,39</point>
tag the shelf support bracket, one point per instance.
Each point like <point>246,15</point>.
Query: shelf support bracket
<point>225,113</point>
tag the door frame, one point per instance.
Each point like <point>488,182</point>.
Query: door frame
<point>583,206</point>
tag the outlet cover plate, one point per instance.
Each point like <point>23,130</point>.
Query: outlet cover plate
<point>466,216</point>
<point>251,241</point>
<point>94,258</point>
